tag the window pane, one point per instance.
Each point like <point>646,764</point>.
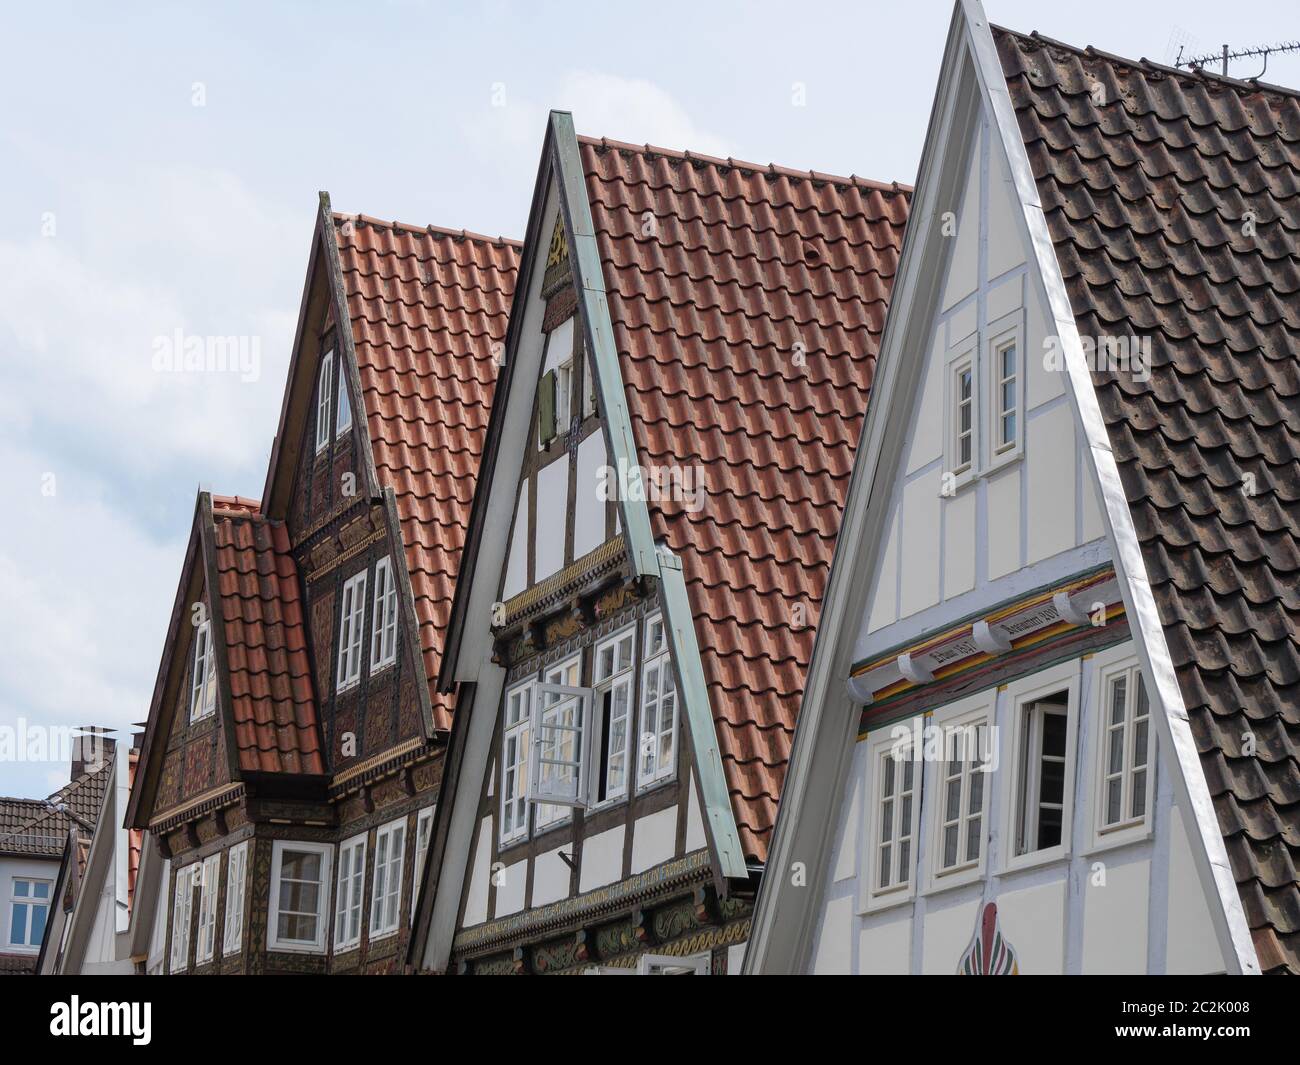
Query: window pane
<point>953,802</point>
<point>904,860</point>
<point>1113,801</point>
<point>972,839</point>
<point>884,865</point>
<point>1118,696</point>
<point>887,820</point>
<point>300,865</point>
<point>950,846</point>
<point>976,791</point>
<point>1140,793</point>
<point>18,923</point>
<point>1140,742</point>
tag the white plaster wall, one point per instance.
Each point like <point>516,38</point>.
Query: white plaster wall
<point>695,835</point>
<point>589,508</point>
<point>1115,918</point>
<point>654,839</point>
<point>833,954</point>
<point>948,931</point>
<point>476,902</point>
<point>1192,946</point>
<point>511,882</point>
<point>158,937</point>
<point>552,513</point>
<point>1033,921</point>
<point>602,859</point>
<point>550,877</point>
<point>885,945</point>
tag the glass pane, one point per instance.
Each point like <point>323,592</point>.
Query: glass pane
<point>300,865</point>
<point>972,839</point>
<point>1049,828</point>
<point>297,926</point>
<point>1142,708</point>
<point>884,865</point>
<point>1140,742</point>
<point>1118,695</point>
<point>976,791</point>
<point>22,888</point>
<point>18,923</point>
<point>950,846</point>
<point>952,805</point>
<point>904,860</point>
<point>905,816</point>
<point>1009,361</point>
<point>1140,793</point>
<point>299,897</point>
<point>1113,801</point>
<point>887,776</point>
<point>1115,752</point>
<point>1008,428</point>
<point>907,772</point>
<point>887,820</point>
<point>38,924</point>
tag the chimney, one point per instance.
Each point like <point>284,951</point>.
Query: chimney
<point>92,746</point>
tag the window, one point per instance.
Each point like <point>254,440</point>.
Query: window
<point>236,887</point>
<point>614,678</point>
<point>589,389</point>
<point>963,418</point>
<point>29,906</point>
<point>343,422</point>
<point>351,627</point>
<point>563,395</point>
<point>323,395</point>
<point>1126,751</point>
<point>966,756</point>
<point>668,965</point>
<point>209,882</point>
<point>182,909</point>
<point>962,795</point>
<point>895,805</point>
<point>203,688</point>
<point>300,879</point>
<point>514,764</point>
<point>352,880</point>
<point>1005,369</point>
<point>1041,764</point>
<point>658,744</point>
<point>383,640</point>
<point>386,903</point>
<point>560,709</point>
<point>423,832</point>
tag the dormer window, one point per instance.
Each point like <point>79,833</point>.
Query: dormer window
<point>203,690</point>
<point>324,394</point>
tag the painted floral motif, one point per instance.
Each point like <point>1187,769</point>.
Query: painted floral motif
<point>989,954</point>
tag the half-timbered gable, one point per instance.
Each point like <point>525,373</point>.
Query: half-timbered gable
<point>1018,663</point>
<point>325,622</point>
<point>684,376</point>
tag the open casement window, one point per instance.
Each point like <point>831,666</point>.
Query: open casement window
<point>1041,765</point>
<point>29,908</point>
<point>348,891</point>
<point>613,685</point>
<point>657,744</point>
<point>514,763</point>
<point>1125,794</point>
<point>300,891</point>
<point>203,688</point>
<point>351,626</point>
<point>561,710</point>
<point>386,894</point>
<point>182,911</point>
<point>236,888</point>
<point>962,794</point>
<point>668,965</point>
<point>209,883</point>
<point>343,419</point>
<point>324,396</point>
<point>383,619</point>
<point>423,832</point>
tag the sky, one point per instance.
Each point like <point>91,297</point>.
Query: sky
<point>160,168</point>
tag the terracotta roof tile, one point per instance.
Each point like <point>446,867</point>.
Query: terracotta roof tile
<point>749,262</point>
<point>1146,198</point>
<point>275,720</point>
<point>427,305</point>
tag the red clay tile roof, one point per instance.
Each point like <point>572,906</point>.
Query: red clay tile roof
<point>276,725</point>
<point>427,305</point>
<point>1146,198</point>
<point>749,263</point>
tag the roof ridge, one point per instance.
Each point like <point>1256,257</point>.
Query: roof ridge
<point>1198,74</point>
<point>430,230</point>
<point>607,143</point>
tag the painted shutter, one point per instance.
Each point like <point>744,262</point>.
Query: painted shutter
<point>546,408</point>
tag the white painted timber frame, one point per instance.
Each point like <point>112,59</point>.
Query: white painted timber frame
<point>784,923</point>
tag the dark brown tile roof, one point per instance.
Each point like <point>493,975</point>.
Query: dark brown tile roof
<point>1146,198</point>
<point>276,725</point>
<point>749,262</point>
<point>39,827</point>
<point>427,305</point>
<point>134,839</point>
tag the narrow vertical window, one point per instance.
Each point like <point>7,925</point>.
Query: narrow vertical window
<point>182,909</point>
<point>1041,796</point>
<point>236,881</point>
<point>209,882</point>
<point>423,832</point>
<point>658,731</point>
<point>203,689</point>
<point>351,882</point>
<point>963,418</point>
<point>351,625</point>
<point>558,737</point>
<point>895,789</point>
<point>514,764</point>
<point>613,680</point>
<point>962,797</point>
<point>1006,396</point>
<point>385,906</point>
<point>383,638</point>
<point>343,418</point>
<point>1127,751</point>
<point>324,393</point>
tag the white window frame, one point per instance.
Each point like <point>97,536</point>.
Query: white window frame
<point>324,912</point>
<point>324,400</point>
<point>28,901</point>
<point>563,396</point>
<point>659,964</point>
<point>514,790</point>
<point>423,836</point>
<point>383,618</point>
<point>349,892</point>
<point>205,948</point>
<point>663,770</point>
<point>390,867</point>
<point>623,677</point>
<point>960,358</point>
<point>970,713</point>
<point>343,411</point>
<point>182,916</point>
<point>561,683</point>
<point>1107,666</point>
<point>232,932</point>
<point>1021,696</point>
<point>352,631</point>
<point>1002,333</point>
<point>203,680</point>
<point>880,747</point>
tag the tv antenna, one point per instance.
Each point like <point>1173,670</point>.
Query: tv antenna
<point>1225,56</point>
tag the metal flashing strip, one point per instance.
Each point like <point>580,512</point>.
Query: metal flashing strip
<point>1148,630</point>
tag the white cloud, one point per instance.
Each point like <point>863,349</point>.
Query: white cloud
<point>633,110</point>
